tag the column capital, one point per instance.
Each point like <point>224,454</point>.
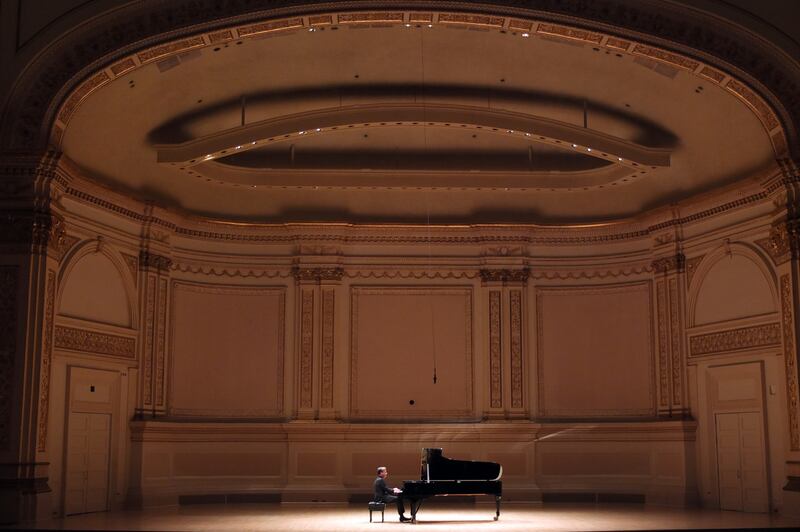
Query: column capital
<point>504,275</point>
<point>318,274</point>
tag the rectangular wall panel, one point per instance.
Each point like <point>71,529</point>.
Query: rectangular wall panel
<point>227,351</point>
<point>399,336</point>
<point>595,351</point>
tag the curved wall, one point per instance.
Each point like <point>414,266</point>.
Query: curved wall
<point>287,360</point>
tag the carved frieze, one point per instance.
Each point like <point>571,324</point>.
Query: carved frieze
<point>495,355</point>
<point>94,342</point>
<point>44,369</point>
<point>515,304</point>
<point>732,340</point>
<point>8,347</point>
<point>505,275</point>
<point>318,274</point>
<point>306,346</point>
<point>790,361</point>
<point>326,359</point>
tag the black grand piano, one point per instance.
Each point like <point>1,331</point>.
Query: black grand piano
<point>444,476</point>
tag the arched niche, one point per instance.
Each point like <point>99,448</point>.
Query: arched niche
<point>95,285</point>
<point>733,282</point>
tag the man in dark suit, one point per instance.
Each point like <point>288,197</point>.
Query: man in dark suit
<point>384,494</point>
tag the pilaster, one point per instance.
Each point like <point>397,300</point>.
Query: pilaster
<point>670,286</point>
<point>505,292</point>
<point>318,288</point>
<point>32,238</point>
<point>783,246</point>
<point>154,293</point>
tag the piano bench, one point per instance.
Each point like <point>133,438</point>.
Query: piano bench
<point>374,507</point>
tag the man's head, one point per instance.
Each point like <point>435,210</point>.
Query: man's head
<point>383,472</point>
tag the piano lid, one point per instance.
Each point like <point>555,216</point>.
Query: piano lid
<point>435,467</point>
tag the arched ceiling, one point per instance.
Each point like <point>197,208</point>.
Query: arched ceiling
<point>409,117</point>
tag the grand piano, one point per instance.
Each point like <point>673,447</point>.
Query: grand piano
<point>445,476</point>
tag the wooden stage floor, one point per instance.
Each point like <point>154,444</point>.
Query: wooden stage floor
<point>463,517</point>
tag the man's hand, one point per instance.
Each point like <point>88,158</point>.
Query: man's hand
<point>397,490</point>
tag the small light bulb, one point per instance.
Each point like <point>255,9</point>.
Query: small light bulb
<point>574,145</point>
<point>526,34</point>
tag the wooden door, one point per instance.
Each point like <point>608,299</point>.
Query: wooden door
<point>88,447</point>
<point>741,464</point>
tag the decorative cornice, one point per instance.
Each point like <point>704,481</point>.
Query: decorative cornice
<point>95,342</point>
<point>318,274</point>
<point>505,275</point>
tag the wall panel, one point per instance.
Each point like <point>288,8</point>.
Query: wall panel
<point>227,351</point>
<point>595,351</point>
<point>399,335</point>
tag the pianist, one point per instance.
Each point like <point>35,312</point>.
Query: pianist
<point>384,494</point>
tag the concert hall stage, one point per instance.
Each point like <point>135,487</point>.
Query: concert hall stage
<point>437,516</point>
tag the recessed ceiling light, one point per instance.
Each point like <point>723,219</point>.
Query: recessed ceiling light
<point>407,25</point>
<point>588,149</point>
<point>574,145</point>
<point>620,158</point>
<point>526,34</point>
<point>430,25</point>
<point>319,129</point>
<point>238,147</point>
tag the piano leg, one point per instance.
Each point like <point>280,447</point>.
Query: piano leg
<point>497,501</point>
<point>415,504</point>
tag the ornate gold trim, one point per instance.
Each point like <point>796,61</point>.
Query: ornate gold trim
<point>675,347</point>
<point>317,274</point>
<point>735,339</point>
<point>47,354</point>
<point>663,358</point>
<point>124,66</point>
<point>94,342</point>
<point>504,275</point>
<point>326,358</point>
<point>147,356</point>
<point>790,361</point>
<point>495,359</point>
<point>515,304</point>
<point>161,333</point>
<point>306,347</point>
